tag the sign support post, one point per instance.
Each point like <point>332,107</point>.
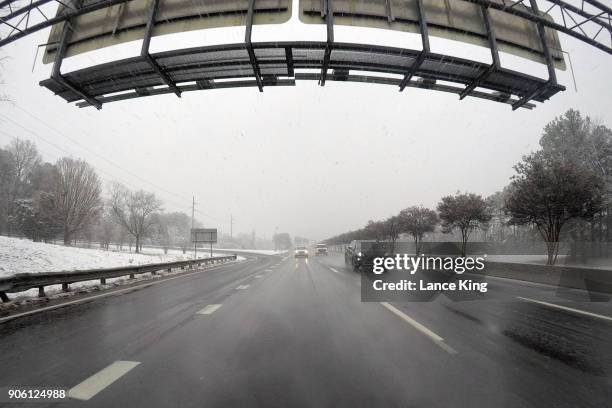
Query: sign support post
<point>204,236</point>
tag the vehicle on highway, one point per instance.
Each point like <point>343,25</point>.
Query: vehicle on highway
<point>321,249</point>
<point>301,252</point>
<point>361,253</point>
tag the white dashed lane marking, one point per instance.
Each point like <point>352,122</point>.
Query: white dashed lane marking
<point>433,336</point>
<point>242,287</point>
<point>210,309</point>
<point>102,379</point>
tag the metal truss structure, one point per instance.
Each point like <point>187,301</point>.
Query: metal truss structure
<point>276,63</point>
<point>271,64</point>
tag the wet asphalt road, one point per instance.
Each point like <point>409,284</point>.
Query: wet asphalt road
<point>295,333</point>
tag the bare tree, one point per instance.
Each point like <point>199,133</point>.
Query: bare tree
<point>499,219</point>
<point>22,159</point>
<point>135,211</point>
<point>376,230</point>
<point>3,97</point>
<point>575,138</point>
<point>76,196</point>
<point>417,221</point>
<point>548,192</point>
<point>173,229</point>
<point>465,212</point>
<point>161,233</point>
<point>106,228</point>
<point>392,229</point>
<point>5,183</point>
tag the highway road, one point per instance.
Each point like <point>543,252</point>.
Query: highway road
<point>273,331</point>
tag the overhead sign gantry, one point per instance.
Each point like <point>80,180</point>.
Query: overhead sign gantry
<point>519,27</point>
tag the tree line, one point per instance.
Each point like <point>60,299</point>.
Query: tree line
<point>561,192</point>
<point>64,200</point>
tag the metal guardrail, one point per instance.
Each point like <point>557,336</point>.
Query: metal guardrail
<point>25,281</point>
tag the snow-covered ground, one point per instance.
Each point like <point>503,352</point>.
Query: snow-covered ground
<point>22,255</point>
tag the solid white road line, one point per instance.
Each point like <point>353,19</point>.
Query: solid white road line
<point>210,309</point>
<point>433,336</point>
<point>102,379</point>
<point>518,281</point>
<point>446,347</point>
<point>242,287</point>
<point>101,295</point>
<point>335,270</point>
<point>569,309</point>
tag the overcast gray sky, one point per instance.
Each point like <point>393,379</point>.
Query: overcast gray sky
<point>312,161</point>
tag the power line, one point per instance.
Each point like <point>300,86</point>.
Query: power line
<point>109,161</point>
<point>111,176</point>
<point>44,152</point>
<point>96,154</point>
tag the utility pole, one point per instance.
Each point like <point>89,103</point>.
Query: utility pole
<point>231,227</point>
<point>195,244</point>
<point>274,238</point>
